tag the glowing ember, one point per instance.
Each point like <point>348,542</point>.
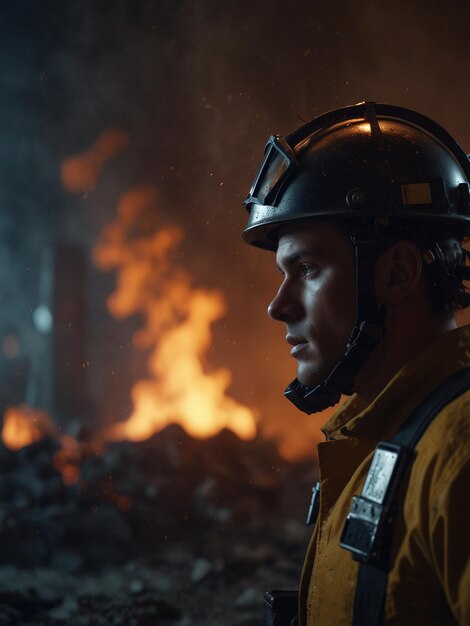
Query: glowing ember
<point>23,425</point>
<point>67,460</point>
<point>178,321</point>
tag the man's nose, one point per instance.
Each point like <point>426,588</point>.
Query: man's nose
<point>285,306</point>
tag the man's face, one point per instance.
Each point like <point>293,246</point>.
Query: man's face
<point>316,299</point>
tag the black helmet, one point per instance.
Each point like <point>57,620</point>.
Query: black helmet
<point>366,160</point>
<point>362,163</point>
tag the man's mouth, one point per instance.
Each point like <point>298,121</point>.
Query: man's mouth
<point>298,348</point>
<point>297,343</point>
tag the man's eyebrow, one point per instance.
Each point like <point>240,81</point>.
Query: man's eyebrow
<point>293,258</point>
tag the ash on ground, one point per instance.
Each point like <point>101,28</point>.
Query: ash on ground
<point>167,531</point>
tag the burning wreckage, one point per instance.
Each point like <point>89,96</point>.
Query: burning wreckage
<point>167,530</point>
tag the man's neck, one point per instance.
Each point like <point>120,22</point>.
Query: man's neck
<point>401,343</point>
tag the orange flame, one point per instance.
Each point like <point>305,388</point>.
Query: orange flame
<point>67,459</point>
<point>178,321</point>
<point>24,425</point>
<point>81,173</point>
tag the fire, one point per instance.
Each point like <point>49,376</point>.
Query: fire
<point>67,460</point>
<point>178,320</point>
<point>81,172</point>
<point>24,425</point>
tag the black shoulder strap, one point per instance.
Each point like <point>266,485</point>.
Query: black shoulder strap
<point>372,577</point>
<point>411,431</point>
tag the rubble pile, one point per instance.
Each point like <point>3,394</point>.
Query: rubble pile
<point>172,530</point>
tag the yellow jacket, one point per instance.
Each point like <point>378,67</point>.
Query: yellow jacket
<point>429,580</point>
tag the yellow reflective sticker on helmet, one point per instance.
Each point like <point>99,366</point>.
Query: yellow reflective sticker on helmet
<point>416,193</point>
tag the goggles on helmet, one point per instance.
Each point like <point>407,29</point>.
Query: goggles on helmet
<point>279,160</point>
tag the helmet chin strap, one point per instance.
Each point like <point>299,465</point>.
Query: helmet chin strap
<point>367,333</point>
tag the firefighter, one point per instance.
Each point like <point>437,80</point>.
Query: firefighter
<point>366,208</point>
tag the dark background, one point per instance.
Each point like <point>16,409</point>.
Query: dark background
<point>198,87</point>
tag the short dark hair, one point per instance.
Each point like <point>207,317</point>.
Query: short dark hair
<point>445,258</point>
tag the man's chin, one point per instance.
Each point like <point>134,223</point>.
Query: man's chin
<point>311,375</point>
<point>309,379</point>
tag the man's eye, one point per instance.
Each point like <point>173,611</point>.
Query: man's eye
<point>308,269</point>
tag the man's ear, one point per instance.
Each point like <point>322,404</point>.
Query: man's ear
<point>397,273</point>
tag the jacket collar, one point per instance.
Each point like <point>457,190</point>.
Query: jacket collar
<point>404,392</point>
